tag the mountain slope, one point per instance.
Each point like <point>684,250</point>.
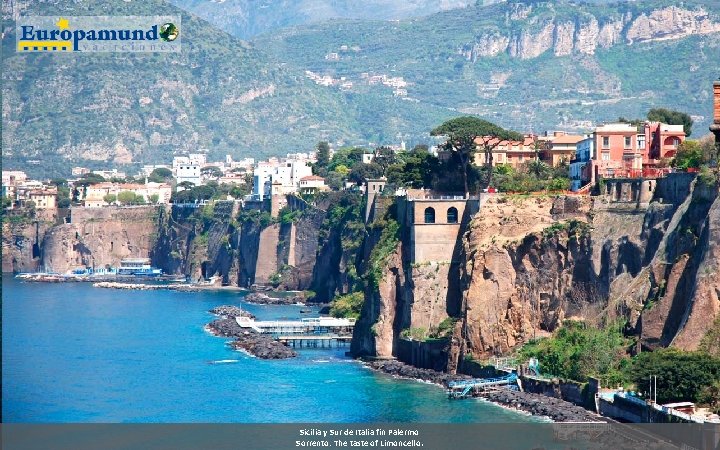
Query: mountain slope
<point>528,65</point>
<point>247,18</point>
<point>218,94</point>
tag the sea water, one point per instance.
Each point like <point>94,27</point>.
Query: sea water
<point>74,353</point>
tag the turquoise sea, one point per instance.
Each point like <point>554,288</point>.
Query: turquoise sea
<point>74,353</point>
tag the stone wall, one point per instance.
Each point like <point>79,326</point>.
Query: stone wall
<point>425,355</point>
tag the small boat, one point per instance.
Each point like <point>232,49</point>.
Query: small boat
<point>305,311</point>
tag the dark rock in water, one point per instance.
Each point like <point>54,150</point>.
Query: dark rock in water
<point>263,346</point>
<point>230,311</point>
<point>256,344</point>
<point>225,328</point>
<point>400,369</point>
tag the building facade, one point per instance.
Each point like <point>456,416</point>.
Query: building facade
<point>95,194</point>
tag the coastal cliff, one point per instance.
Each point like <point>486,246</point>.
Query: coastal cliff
<point>529,263</point>
<point>83,237</point>
<point>642,252</point>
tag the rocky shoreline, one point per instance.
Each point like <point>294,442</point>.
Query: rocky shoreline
<point>260,298</point>
<point>536,404</point>
<point>256,344</point>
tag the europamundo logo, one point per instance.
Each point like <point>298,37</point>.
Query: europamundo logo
<point>98,34</point>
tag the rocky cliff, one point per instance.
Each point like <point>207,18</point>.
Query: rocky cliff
<point>549,28</point>
<point>308,247</point>
<point>530,263</point>
<point>86,237</point>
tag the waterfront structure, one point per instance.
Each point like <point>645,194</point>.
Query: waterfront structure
<point>138,267</point>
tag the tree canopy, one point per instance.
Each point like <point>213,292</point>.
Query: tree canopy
<point>671,117</point>
<point>161,175</point>
<point>461,134</point>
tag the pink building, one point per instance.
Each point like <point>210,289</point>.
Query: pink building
<point>625,150</point>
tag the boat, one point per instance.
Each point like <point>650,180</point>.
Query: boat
<point>138,267</point>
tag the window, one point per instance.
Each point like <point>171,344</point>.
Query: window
<point>641,142</point>
<point>675,142</point>
<point>628,142</point>
<point>606,156</point>
<point>429,215</point>
<point>606,141</point>
<point>452,215</point>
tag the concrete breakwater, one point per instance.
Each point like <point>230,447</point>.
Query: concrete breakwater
<point>538,405</point>
<point>146,287</point>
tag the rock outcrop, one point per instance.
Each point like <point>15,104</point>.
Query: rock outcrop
<point>86,237</point>
<point>529,264</point>
<point>550,29</point>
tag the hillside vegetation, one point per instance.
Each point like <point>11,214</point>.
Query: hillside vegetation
<point>529,65</point>
<point>219,94</point>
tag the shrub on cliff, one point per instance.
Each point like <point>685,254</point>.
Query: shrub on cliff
<point>681,376</point>
<point>578,351</point>
<point>389,239</point>
<point>348,306</point>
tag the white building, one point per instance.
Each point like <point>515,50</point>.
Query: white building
<point>312,184</point>
<point>287,174</point>
<point>580,165</point>
<point>107,174</point>
<point>187,168</point>
<point>13,176</point>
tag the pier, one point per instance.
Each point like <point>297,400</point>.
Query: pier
<point>465,388</point>
<point>316,332</point>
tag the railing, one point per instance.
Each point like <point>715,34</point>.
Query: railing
<point>638,173</point>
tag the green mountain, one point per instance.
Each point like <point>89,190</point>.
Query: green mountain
<point>219,94</point>
<point>248,18</point>
<point>529,65</point>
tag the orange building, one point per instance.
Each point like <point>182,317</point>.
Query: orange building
<point>513,153</point>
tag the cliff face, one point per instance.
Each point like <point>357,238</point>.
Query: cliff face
<point>214,240</point>
<point>529,264</point>
<point>92,238</point>
<point>550,29</point>
<point>22,240</point>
